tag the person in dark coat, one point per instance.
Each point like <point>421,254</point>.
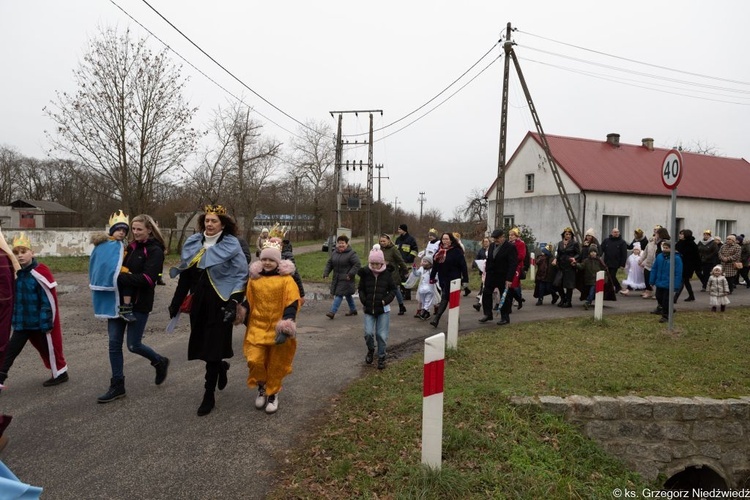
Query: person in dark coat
<point>502,261</point>
<point>213,270</point>
<point>449,264</point>
<point>640,238</point>
<point>377,289</point>
<point>344,264</point>
<point>144,259</point>
<point>708,251</point>
<point>691,261</point>
<point>615,253</point>
<point>567,252</point>
<point>407,245</point>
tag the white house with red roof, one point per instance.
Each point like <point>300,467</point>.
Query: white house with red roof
<point>611,184</point>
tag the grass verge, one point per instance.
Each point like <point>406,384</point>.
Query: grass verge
<point>369,446</point>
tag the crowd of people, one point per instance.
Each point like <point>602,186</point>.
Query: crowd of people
<point>220,286</point>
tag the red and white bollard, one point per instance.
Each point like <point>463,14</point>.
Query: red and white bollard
<point>532,267</point>
<point>599,300</point>
<point>432,401</point>
<point>454,310</point>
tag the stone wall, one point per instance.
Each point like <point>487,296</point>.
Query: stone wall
<point>661,435</point>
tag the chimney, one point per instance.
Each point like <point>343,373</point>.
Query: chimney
<point>613,139</point>
<point>648,143</point>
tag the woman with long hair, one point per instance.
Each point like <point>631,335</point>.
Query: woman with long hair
<point>449,263</point>
<point>213,272</point>
<point>144,259</point>
<point>568,250</point>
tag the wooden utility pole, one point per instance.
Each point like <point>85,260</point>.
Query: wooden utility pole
<point>421,201</point>
<point>500,194</point>
<point>380,222</point>
<point>339,162</point>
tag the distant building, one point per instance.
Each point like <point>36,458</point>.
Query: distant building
<point>36,214</point>
<point>610,184</point>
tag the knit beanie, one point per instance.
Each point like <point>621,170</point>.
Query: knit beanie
<point>404,228</point>
<point>272,253</point>
<point>376,256</point>
<point>119,225</point>
<point>427,259</point>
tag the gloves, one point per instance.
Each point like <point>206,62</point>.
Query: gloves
<point>230,311</point>
<point>172,312</point>
<point>285,328</point>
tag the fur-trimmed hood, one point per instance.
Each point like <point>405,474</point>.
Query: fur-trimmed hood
<point>286,268</point>
<point>99,238</point>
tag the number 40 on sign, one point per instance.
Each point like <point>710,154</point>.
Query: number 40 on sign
<point>671,170</point>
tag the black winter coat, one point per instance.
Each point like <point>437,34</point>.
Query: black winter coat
<point>691,259</point>
<point>144,262</point>
<point>376,290</point>
<point>453,267</point>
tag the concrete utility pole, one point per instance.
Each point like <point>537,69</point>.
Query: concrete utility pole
<point>339,162</point>
<point>421,201</point>
<point>380,224</point>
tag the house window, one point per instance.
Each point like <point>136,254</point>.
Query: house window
<point>725,227</point>
<point>509,221</point>
<point>609,222</point>
<point>529,183</point>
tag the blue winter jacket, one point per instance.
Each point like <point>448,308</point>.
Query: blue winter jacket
<point>659,276</point>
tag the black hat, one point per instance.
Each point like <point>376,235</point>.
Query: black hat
<point>403,228</point>
<point>497,233</point>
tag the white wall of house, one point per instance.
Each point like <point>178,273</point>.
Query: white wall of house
<point>542,209</point>
<point>56,242</point>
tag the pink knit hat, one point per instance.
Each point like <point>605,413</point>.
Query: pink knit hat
<point>376,257</point>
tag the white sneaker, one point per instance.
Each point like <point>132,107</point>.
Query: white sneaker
<point>261,399</point>
<point>273,403</point>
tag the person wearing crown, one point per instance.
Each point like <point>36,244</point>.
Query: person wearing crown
<point>213,273</point>
<point>36,316</point>
<point>8,267</point>
<point>272,303</point>
<point>105,265</point>
<point>141,264</point>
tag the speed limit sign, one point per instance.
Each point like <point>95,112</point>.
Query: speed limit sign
<point>671,169</point>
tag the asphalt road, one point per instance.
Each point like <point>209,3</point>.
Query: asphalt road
<point>151,444</point>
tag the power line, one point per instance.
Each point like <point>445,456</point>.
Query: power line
<point>433,98</point>
<point>441,102</point>
<point>636,61</point>
<point>624,81</point>
<point>199,70</point>
<point>225,69</point>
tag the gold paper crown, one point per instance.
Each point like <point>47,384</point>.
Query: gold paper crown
<point>273,242</point>
<point>277,232</point>
<point>568,230</point>
<point>432,231</point>
<point>215,209</point>
<point>707,231</point>
<point>119,218</point>
<point>22,241</point>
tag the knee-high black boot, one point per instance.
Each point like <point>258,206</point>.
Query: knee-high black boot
<point>441,309</point>
<point>212,376</point>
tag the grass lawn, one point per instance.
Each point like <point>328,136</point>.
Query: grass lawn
<point>369,445</point>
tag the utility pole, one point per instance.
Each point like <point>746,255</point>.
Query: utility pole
<point>500,194</point>
<point>421,201</point>
<point>339,162</point>
<point>380,224</point>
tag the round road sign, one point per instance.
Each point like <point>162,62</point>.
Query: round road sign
<point>671,169</point>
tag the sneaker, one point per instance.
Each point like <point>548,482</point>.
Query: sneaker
<point>381,363</point>
<point>261,399</point>
<point>273,403</point>
<point>370,356</point>
<point>467,292</point>
<point>330,314</point>
<point>63,377</point>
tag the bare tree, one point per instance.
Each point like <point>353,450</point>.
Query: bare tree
<point>10,169</point>
<point>700,147</point>
<point>311,164</point>
<point>127,122</point>
<point>475,209</point>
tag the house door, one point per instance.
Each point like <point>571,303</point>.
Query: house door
<point>27,220</point>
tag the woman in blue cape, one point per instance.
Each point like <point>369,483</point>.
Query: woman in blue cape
<point>213,271</point>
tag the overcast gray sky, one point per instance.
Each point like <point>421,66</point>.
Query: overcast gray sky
<point>308,58</point>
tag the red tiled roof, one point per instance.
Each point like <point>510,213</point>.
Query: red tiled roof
<point>599,166</point>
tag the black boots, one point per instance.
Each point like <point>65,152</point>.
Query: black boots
<point>370,356</point>
<point>223,368</point>
<point>161,370</point>
<point>116,391</point>
<point>401,309</point>
<point>212,375</point>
